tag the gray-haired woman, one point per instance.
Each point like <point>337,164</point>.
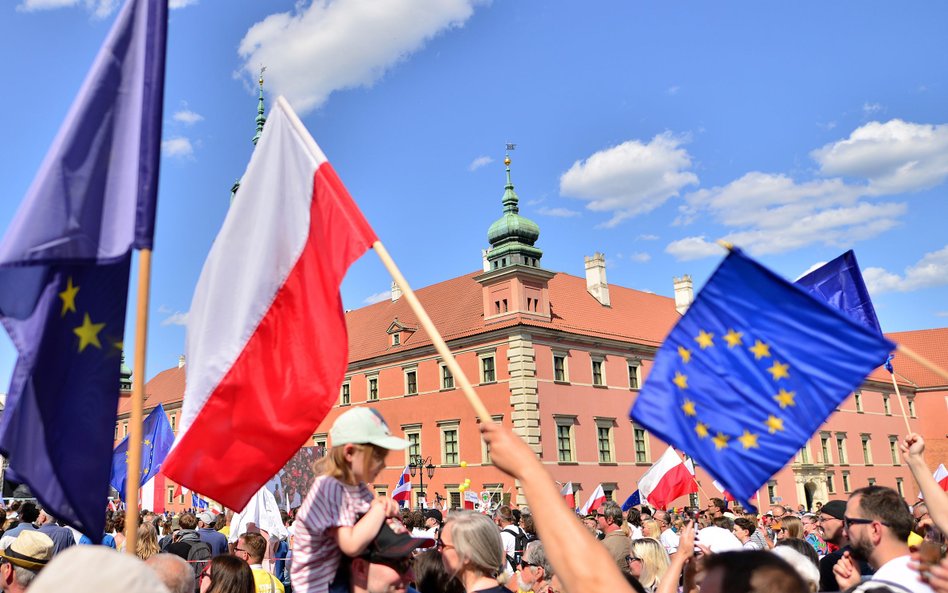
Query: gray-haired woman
<point>472,551</point>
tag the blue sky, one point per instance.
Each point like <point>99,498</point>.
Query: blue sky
<point>645,131</point>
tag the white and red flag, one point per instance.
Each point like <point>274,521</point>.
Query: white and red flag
<point>666,480</point>
<point>727,495</point>
<point>941,476</point>
<point>470,500</point>
<point>402,492</point>
<point>568,495</point>
<point>266,338</point>
<point>594,502</point>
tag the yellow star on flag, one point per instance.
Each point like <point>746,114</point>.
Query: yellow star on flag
<point>760,350</point>
<point>733,338</point>
<point>720,441</point>
<point>146,442</point>
<point>69,297</point>
<point>785,398</point>
<point>705,339</point>
<point>689,408</point>
<point>118,344</point>
<point>701,429</point>
<point>680,380</point>
<point>145,471</point>
<point>779,370</point>
<point>684,353</point>
<point>748,439</point>
<point>88,333</point>
<point>774,424</point>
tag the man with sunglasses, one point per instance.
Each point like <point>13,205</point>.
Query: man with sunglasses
<point>877,523</point>
<point>535,571</point>
<point>385,567</point>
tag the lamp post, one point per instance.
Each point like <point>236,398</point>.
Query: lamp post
<point>421,465</point>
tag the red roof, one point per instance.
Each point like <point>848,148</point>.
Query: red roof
<point>456,308</point>
<point>930,343</point>
<point>164,388</point>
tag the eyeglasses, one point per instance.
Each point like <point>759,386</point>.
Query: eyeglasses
<point>632,559</point>
<point>240,550</point>
<point>525,564</point>
<point>921,517</point>
<point>443,546</point>
<point>850,521</point>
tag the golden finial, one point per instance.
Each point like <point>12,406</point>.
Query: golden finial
<point>260,80</point>
<point>507,159</point>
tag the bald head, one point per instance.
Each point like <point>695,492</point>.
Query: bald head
<point>173,571</point>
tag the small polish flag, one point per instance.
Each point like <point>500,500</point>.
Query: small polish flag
<point>568,495</point>
<point>666,480</point>
<point>595,501</point>
<point>402,492</point>
<point>720,487</point>
<point>941,476</point>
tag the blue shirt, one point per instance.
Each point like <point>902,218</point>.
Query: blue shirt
<point>215,539</point>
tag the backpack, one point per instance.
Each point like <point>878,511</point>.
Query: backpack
<point>199,554</point>
<point>520,543</point>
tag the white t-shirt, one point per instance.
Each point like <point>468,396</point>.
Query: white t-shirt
<point>897,571</point>
<point>718,539</point>
<point>670,541</point>
<point>510,543</point>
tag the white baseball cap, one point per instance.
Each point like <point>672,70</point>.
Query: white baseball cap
<point>361,426</point>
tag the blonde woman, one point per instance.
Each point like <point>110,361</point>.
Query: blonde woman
<point>651,529</point>
<point>648,562</point>
<point>147,541</point>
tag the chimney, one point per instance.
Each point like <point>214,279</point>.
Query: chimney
<point>684,293</point>
<point>486,263</point>
<point>181,361</point>
<point>396,292</point>
<point>596,278</point>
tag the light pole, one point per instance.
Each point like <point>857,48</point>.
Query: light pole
<point>421,466</point>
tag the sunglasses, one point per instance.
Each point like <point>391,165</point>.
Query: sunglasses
<point>525,564</point>
<point>850,521</point>
<point>632,559</point>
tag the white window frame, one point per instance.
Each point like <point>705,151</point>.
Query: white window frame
<point>481,358</point>
<point>609,425</point>
<point>442,378</point>
<point>565,356</point>
<point>866,443</point>
<point>368,387</point>
<point>826,447</point>
<point>345,393</point>
<point>405,373</point>
<point>568,422</point>
<point>411,430</point>
<point>444,427</point>
<point>841,448</point>
<point>645,439</point>
<point>635,369</point>
<point>601,360</point>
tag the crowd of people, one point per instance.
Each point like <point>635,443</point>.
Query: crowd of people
<point>344,539</point>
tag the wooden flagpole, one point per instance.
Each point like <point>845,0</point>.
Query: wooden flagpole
<point>138,404</point>
<point>898,395</point>
<point>922,360</point>
<point>433,333</point>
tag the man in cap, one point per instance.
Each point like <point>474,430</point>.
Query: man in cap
<point>215,539</point>
<point>831,520</point>
<point>433,522</point>
<point>385,566</point>
<point>22,560</point>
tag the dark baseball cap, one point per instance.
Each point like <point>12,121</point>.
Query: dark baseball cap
<point>834,508</point>
<point>394,542</point>
<point>434,514</point>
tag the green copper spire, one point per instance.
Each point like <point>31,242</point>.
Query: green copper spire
<point>512,236</point>
<point>261,118</point>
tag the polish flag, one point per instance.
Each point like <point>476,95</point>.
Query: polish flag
<point>266,337</point>
<point>941,476</point>
<point>151,496</point>
<point>402,492</point>
<point>666,480</point>
<point>568,495</point>
<point>594,502</point>
<point>727,495</point>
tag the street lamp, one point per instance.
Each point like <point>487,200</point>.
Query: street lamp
<point>421,466</point>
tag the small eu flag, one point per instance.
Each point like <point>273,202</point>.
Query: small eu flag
<point>64,266</point>
<point>157,438</point>
<point>750,372</point>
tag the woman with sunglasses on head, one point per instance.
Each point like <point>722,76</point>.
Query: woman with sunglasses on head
<point>226,574</point>
<point>473,552</point>
<point>648,562</point>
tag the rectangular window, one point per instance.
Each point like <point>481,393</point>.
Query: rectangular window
<point>866,450</point>
<point>858,398</point>
<point>414,444</point>
<point>825,448</point>
<point>564,442</point>
<point>449,446</point>
<point>124,429</point>
<point>772,491</point>
<point>641,444</point>
<point>871,481</point>
<point>605,444</point>
<point>344,395</point>
<point>559,368</point>
<point>846,482</point>
<point>487,370</point>
<point>170,490</point>
<point>830,486</point>
<point>894,449</point>
<point>899,487</point>
<point>841,449</point>
<point>633,376</point>
<point>911,406</point>
<point>455,495</point>
<point>411,382</point>
<point>396,339</point>
<point>597,372</point>
<point>447,379</point>
<point>805,454</point>
<point>886,406</point>
<point>373,389</point>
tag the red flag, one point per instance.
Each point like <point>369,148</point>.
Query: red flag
<point>666,480</point>
<point>266,342</point>
<point>594,502</point>
<point>568,495</point>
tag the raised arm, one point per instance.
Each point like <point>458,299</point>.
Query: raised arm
<point>913,451</point>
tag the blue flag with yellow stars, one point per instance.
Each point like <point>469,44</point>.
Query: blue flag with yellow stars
<point>64,268</point>
<point>750,372</point>
<point>157,438</point>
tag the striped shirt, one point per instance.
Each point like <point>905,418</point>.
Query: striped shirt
<point>316,553</point>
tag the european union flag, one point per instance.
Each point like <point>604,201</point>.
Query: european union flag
<point>750,372</point>
<point>198,503</point>
<point>157,438</point>
<point>64,266</point>
<point>839,284</point>
<point>631,501</point>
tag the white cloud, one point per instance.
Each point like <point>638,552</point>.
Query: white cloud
<point>640,257</point>
<point>693,248</point>
<point>869,109</point>
<point>931,270</point>
<point>173,4</point>
<point>377,297</point>
<point>941,314</point>
<point>896,156</point>
<point>631,178</point>
<point>558,212</point>
<point>187,117</point>
<point>176,318</point>
<point>479,162</point>
<point>815,266</point>
<point>179,147</point>
<point>99,8</point>
<point>328,45</point>
<point>647,237</point>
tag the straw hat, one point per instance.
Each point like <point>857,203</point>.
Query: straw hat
<point>31,550</point>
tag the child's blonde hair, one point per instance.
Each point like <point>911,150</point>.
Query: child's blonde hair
<point>334,464</point>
